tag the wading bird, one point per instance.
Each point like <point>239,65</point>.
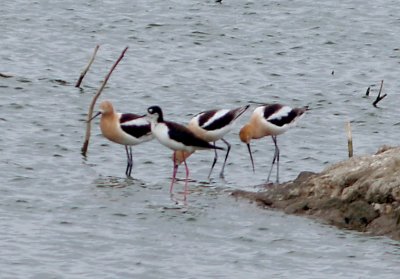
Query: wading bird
<point>124,128</point>
<point>211,126</point>
<point>176,137</point>
<point>270,120</point>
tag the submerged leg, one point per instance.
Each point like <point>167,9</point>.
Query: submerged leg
<point>215,160</point>
<point>186,180</point>
<point>173,173</point>
<point>226,157</point>
<point>129,160</point>
<point>276,159</point>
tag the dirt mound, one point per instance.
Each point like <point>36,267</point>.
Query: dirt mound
<point>362,193</point>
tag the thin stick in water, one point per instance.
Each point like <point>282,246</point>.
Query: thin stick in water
<point>368,90</point>
<point>349,139</point>
<point>379,97</point>
<point>83,73</point>
<point>91,107</point>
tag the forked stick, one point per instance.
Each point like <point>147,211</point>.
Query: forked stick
<point>379,97</point>
<point>91,107</point>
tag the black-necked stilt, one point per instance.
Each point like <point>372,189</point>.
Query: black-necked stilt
<point>124,128</point>
<point>211,126</point>
<point>176,137</point>
<point>270,120</point>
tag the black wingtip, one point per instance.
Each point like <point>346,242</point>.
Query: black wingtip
<point>218,147</point>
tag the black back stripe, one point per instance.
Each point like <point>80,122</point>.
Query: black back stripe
<point>136,131</point>
<point>271,109</point>
<point>293,114</point>
<point>183,135</point>
<point>205,116</point>
<point>220,122</point>
<point>126,117</point>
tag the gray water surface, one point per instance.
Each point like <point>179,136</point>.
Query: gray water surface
<point>65,216</point>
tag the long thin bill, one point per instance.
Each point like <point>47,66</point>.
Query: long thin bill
<point>97,114</point>
<point>251,156</point>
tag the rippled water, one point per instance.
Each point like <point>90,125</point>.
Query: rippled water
<point>64,216</point>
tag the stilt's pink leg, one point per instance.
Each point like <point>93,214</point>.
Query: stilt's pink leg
<point>174,173</point>
<point>186,180</point>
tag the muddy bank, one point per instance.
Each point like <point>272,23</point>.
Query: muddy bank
<point>362,193</point>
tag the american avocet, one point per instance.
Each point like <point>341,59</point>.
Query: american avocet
<point>270,120</point>
<point>211,126</point>
<point>124,128</point>
<point>176,137</point>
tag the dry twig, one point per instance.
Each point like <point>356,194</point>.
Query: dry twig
<point>91,107</point>
<point>379,97</point>
<point>368,90</point>
<point>78,83</point>
<point>349,139</point>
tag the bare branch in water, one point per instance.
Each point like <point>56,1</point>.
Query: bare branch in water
<point>379,97</point>
<point>78,83</point>
<point>91,107</point>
